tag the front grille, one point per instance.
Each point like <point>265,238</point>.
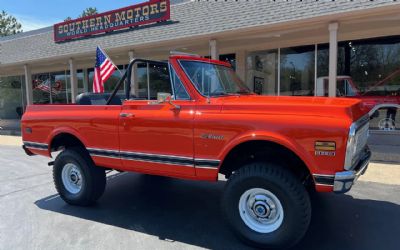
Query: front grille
<point>360,143</point>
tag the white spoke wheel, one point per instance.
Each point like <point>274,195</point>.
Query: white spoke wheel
<point>77,180</point>
<point>261,210</point>
<point>72,178</point>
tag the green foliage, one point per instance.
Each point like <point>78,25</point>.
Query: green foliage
<point>89,11</point>
<point>86,12</point>
<point>8,24</point>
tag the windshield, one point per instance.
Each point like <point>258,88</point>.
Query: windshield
<point>214,80</point>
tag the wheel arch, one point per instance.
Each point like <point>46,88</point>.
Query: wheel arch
<point>280,150</point>
<point>64,138</point>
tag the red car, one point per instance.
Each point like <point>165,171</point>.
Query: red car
<point>193,118</point>
<point>347,88</point>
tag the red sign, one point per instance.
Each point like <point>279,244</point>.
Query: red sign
<point>135,15</point>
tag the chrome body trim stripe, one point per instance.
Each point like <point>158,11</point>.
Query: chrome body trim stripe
<point>323,175</point>
<point>205,167</point>
<point>36,145</point>
<point>159,155</point>
<point>155,158</point>
<point>324,179</point>
<point>326,185</point>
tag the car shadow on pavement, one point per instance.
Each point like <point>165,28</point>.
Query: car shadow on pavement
<point>189,212</point>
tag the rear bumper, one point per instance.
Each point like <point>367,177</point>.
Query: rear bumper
<point>342,182</point>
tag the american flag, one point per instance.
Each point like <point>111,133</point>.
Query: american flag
<point>46,86</point>
<point>103,70</point>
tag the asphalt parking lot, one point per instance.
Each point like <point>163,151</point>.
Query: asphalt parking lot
<point>148,212</point>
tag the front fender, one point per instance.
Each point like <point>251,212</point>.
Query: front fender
<point>286,142</point>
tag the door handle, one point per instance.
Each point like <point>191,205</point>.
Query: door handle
<point>126,115</point>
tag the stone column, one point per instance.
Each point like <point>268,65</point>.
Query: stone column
<point>241,64</point>
<point>214,49</point>
<point>134,78</point>
<point>74,80</point>
<point>28,85</point>
<point>333,54</point>
<point>86,80</point>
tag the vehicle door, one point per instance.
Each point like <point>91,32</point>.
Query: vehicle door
<point>156,133</point>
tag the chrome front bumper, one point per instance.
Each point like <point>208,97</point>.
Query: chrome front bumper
<point>343,181</point>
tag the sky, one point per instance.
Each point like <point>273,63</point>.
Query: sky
<point>36,14</point>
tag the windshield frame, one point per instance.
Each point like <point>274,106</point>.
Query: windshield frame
<point>216,64</point>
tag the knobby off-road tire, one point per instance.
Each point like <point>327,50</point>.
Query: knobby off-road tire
<point>77,180</point>
<point>266,206</point>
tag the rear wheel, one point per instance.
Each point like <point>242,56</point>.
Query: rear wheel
<point>77,179</point>
<point>266,206</point>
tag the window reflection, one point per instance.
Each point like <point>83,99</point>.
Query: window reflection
<point>297,71</point>
<point>262,72</point>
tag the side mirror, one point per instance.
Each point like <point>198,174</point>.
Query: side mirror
<point>167,98</point>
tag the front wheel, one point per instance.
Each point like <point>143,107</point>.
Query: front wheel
<point>77,179</point>
<point>266,206</point>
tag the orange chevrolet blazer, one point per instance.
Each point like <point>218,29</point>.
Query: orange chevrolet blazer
<point>193,118</point>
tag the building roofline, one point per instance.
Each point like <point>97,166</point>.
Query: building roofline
<point>50,28</point>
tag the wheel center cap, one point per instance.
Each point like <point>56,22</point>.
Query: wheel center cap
<point>74,178</point>
<point>261,209</point>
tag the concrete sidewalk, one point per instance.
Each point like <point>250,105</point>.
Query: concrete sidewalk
<point>8,140</point>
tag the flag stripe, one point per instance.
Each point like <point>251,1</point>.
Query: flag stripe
<point>107,74</point>
<point>104,68</point>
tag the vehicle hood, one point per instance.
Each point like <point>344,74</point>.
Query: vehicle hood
<point>293,105</point>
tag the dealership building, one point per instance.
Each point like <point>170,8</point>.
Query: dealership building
<point>276,48</point>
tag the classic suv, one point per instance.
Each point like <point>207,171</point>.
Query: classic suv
<point>193,118</point>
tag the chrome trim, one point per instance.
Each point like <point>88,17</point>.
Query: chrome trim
<point>345,180</point>
<point>326,185</point>
<point>354,128</point>
<point>205,167</point>
<point>36,145</point>
<point>160,155</point>
<point>155,158</point>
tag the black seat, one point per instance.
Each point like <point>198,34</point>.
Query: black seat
<point>97,99</point>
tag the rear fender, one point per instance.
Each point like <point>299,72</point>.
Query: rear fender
<point>64,130</point>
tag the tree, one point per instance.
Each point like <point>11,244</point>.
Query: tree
<point>89,11</point>
<point>8,24</point>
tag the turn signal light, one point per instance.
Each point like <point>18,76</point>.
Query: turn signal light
<point>325,145</point>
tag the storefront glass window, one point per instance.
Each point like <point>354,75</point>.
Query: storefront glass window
<point>371,67</point>
<point>111,82</point>
<point>297,71</point>
<point>12,101</point>
<point>386,119</point>
<point>141,88</point>
<point>229,58</point>
<point>51,87</point>
<point>373,64</point>
<point>262,72</point>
